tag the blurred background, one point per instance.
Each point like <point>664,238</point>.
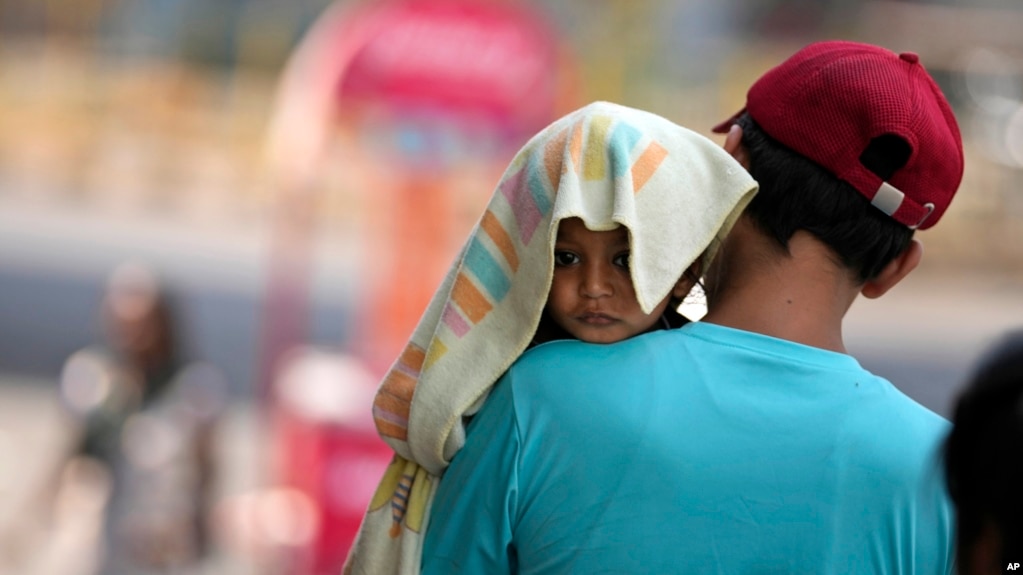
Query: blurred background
<point>220,219</point>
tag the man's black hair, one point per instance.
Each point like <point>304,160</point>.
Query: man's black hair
<point>797,194</point>
<point>984,452</point>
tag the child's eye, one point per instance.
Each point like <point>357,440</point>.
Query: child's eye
<point>564,258</point>
<point>621,260</point>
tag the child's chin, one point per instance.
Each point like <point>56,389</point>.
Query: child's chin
<point>603,337</point>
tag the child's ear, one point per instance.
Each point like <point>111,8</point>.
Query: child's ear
<point>685,283</point>
<point>682,287</point>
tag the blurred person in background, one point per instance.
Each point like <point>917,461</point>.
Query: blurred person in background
<point>984,462</point>
<point>145,422</point>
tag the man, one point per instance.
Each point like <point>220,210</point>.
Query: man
<point>749,442</point>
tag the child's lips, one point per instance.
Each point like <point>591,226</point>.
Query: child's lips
<point>596,318</point>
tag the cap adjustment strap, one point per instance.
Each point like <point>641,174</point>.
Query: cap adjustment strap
<point>929,206</point>
<point>888,198</point>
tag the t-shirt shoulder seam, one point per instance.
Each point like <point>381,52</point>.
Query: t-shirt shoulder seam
<point>849,364</point>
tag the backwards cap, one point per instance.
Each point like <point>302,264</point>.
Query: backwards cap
<point>830,99</point>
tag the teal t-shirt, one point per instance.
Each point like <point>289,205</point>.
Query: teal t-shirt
<point>698,450</point>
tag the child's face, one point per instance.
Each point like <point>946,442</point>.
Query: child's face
<point>591,295</point>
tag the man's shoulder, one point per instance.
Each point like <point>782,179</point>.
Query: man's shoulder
<point>559,366</point>
<point>903,436</point>
<point>570,353</point>
<point>899,412</point>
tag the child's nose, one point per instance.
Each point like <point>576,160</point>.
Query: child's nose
<point>596,283</point>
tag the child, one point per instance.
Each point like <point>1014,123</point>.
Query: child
<point>604,210</point>
<point>591,297</point>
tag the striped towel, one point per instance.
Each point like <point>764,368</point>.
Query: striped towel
<point>673,189</point>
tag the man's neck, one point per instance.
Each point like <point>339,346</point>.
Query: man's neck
<point>801,297</point>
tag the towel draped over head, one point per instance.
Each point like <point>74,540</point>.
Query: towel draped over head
<point>675,191</point>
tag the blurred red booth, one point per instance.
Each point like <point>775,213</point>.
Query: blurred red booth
<point>326,452</point>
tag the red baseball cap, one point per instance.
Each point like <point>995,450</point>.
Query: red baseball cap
<point>830,99</point>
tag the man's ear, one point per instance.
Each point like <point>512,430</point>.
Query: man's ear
<point>733,145</point>
<point>896,269</point>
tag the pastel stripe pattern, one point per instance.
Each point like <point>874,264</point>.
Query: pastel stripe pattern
<point>538,186</point>
<point>527,213</point>
<point>394,398</point>
<point>493,228</point>
<point>646,164</point>
<point>620,145</point>
<point>553,157</point>
<point>595,167</point>
<point>454,320</point>
<point>470,299</point>
<point>487,270</point>
<point>575,146</point>
<point>437,351</point>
